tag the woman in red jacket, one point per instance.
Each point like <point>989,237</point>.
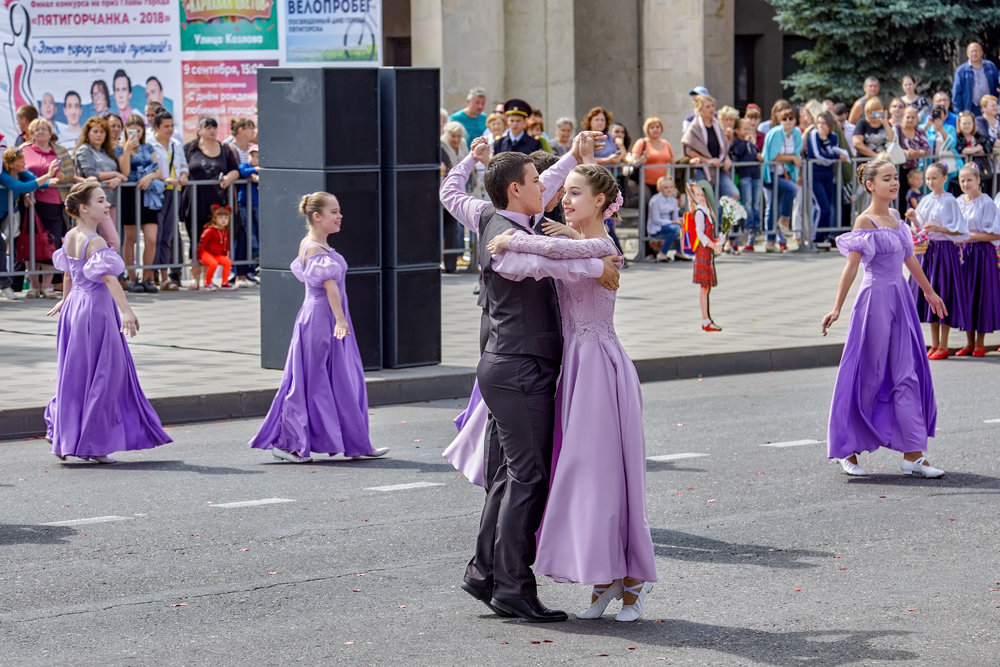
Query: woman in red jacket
<point>213,250</point>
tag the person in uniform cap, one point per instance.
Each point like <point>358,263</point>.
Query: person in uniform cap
<point>516,138</point>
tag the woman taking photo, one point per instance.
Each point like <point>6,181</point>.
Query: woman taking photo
<point>140,165</point>
<point>207,160</point>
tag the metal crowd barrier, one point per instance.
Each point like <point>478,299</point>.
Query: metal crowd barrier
<point>180,259</point>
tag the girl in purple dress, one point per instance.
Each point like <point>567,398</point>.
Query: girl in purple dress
<point>321,405</point>
<point>595,529</point>
<point>979,262</point>
<point>884,396</point>
<point>99,407</point>
<point>939,216</point>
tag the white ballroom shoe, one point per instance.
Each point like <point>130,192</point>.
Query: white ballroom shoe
<point>102,459</point>
<point>632,612</point>
<point>375,453</point>
<point>920,468</point>
<point>852,469</point>
<point>605,594</point>
<point>291,457</point>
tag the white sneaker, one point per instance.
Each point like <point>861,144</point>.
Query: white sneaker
<point>616,591</point>
<point>632,612</point>
<point>920,468</point>
<point>291,457</point>
<point>852,469</point>
<point>102,459</point>
<point>6,294</point>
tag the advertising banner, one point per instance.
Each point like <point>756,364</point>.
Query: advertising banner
<point>228,25</point>
<point>74,59</point>
<point>333,32</point>
<point>222,89</point>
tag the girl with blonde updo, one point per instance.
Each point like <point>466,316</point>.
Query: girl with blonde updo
<point>594,530</point>
<point>322,405</point>
<point>884,395</point>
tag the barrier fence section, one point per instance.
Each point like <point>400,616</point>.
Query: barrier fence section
<point>243,220</point>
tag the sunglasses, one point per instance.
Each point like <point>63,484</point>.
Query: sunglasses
<point>784,118</point>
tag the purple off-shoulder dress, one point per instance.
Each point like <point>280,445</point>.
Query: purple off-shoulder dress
<point>99,407</point>
<point>595,528</point>
<point>884,396</point>
<point>321,406</point>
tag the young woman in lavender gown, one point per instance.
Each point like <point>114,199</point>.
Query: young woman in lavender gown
<point>883,396</point>
<point>939,216</point>
<point>979,262</point>
<point>322,404</point>
<point>595,530</point>
<point>99,407</point>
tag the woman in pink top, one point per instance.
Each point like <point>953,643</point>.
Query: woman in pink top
<point>652,150</point>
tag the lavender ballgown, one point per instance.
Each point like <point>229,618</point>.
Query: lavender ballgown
<point>883,396</point>
<point>99,407</point>
<point>595,528</point>
<point>467,451</point>
<point>322,404</point>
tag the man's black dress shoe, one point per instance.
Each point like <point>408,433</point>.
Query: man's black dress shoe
<point>531,609</point>
<point>483,596</point>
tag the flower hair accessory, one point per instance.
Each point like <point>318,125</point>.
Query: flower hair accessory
<point>216,207</point>
<point>617,204</point>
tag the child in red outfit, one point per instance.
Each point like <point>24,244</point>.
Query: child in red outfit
<point>708,248</point>
<point>213,250</point>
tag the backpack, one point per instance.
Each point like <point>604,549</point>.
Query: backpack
<point>689,235</point>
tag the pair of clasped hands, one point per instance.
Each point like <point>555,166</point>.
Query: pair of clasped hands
<point>584,145</point>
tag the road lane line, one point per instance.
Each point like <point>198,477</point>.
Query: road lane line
<point>674,457</point>
<point>991,421</point>
<point>255,503</point>
<point>792,443</point>
<point>84,522</point>
<point>403,487</point>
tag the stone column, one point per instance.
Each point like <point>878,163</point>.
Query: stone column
<point>473,51</point>
<point>426,33</point>
<point>719,49</point>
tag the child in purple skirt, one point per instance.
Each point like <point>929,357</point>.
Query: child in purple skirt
<point>99,407</point>
<point>883,396</point>
<point>979,262</point>
<point>939,216</point>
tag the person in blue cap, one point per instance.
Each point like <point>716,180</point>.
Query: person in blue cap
<point>516,138</point>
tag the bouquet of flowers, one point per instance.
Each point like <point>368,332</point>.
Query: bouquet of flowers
<point>920,238</point>
<point>733,214</point>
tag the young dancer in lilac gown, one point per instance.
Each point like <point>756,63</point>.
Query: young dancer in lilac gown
<point>595,529</point>
<point>883,396</point>
<point>99,407</point>
<point>322,405</point>
<point>939,216</point>
<point>980,274</point>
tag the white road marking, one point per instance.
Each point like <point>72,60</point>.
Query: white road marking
<point>83,522</point>
<point>255,503</point>
<point>674,457</point>
<point>991,421</point>
<point>792,443</point>
<point>403,487</point>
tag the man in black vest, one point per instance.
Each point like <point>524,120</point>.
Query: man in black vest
<point>517,373</point>
<point>516,138</point>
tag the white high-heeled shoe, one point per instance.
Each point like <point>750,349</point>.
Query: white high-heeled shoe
<point>291,457</point>
<point>920,468</point>
<point>605,594</point>
<point>852,469</point>
<point>632,612</point>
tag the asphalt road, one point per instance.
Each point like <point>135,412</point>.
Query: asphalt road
<point>766,555</point>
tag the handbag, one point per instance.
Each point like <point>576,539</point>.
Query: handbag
<point>895,152</point>
<point>45,246</point>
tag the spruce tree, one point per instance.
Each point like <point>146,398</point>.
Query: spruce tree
<point>886,39</point>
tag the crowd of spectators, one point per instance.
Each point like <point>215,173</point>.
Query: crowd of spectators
<point>141,163</point>
<point>767,163</point>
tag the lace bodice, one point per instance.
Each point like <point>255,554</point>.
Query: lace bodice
<point>588,310</point>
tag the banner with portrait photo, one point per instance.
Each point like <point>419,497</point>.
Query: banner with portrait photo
<point>74,59</point>
<point>334,33</point>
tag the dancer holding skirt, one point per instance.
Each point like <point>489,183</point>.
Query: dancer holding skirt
<point>883,396</point>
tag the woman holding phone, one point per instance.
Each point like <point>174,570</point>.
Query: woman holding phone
<point>140,203</point>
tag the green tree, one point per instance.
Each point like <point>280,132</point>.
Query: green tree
<point>884,38</point>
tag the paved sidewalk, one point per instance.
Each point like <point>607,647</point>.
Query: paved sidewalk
<point>198,354</point>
